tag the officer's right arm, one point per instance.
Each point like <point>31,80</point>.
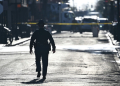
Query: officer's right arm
<point>52,42</point>
<point>32,41</point>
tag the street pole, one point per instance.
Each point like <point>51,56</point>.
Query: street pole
<point>16,30</point>
<point>113,28</point>
<point>3,34</point>
<point>106,9</point>
<point>118,25</point>
<point>112,11</point>
<point>1,31</point>
<point>118,17</point>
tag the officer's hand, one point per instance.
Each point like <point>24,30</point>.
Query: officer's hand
<point>31,51</point>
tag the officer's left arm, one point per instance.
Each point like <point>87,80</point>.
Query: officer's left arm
<point>52,42</point>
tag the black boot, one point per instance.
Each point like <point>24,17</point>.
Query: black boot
<point>38,75</point>
<point>44,77</point>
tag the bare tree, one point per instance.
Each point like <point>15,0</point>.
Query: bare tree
<point>100,6</point>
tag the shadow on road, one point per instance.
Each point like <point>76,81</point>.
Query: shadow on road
<point>92,51</point>
<point>34,81</point>
<point>103,40</point>
<point>88,36</point>
<point>68,37</point>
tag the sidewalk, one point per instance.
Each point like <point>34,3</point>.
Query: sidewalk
<point>20,41</point>
<point>115,43</point>
<point>16,42</point>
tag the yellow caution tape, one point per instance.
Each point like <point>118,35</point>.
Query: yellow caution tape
<point>77,23</point>
<point>68,23</point>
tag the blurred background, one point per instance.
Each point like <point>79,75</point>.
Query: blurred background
<point>18,17</point>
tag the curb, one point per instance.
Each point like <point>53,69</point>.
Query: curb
<point>20,42</point>
<point>14,44</point>
<point>114,42</point>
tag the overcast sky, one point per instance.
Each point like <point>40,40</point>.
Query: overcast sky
<point>81,3</point>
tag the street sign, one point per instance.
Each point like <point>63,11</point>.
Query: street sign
<point>1,8</point>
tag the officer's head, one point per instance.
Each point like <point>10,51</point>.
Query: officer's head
<point>41,23</point>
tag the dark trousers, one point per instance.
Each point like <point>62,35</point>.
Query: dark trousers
<point>44,57</point>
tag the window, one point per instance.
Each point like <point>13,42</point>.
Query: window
<point>66,15</point>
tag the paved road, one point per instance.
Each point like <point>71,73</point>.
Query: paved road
<point>80,60</point>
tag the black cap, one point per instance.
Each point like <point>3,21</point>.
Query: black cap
<point>41,22</point>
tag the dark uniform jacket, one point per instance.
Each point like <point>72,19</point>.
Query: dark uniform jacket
<point>41,36</point>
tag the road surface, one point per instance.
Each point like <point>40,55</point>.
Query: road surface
<point>80,60</point>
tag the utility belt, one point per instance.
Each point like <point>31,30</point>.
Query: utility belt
<point>42,47</point>
<point>39,43</point>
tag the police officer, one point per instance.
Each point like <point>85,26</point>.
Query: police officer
<point>40,41</point>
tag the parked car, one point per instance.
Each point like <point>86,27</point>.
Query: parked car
<point>87,27</point>
<point>102,25</point>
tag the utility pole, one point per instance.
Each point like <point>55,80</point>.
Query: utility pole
<point>118,17</point>
<point>118,25</point>
<point>112,10</point>
<point>106,9</point>
<point>16,30</point>
<point>3,34</point>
